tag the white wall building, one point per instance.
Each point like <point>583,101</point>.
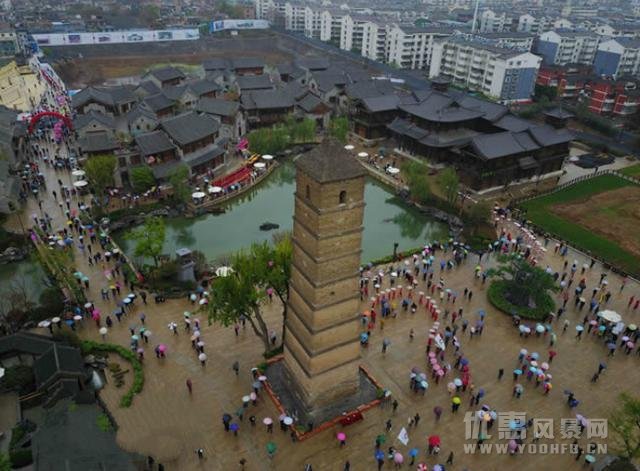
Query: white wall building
<point>492,22</point>
<point>506,75</point>
<point>618,57</point>
<point>567,47</point>
<point>412,47</point>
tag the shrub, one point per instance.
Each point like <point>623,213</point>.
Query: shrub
<point>89,346</point>
<point>103,422</point>
<point>273,353</point>
<point>544,303</point>
<point>20,458</point>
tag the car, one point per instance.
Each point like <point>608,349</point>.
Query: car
<point>165,35</point>
<point>135,37</point>
<point>74,38</point>
<point>104,39</point>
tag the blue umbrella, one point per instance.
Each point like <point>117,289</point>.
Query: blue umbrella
<point>234,427</point>
<point>464,362</point>
<point>379,455</point>
<point>414,452</point>
<point>481,312</point>
<point>517,371</point>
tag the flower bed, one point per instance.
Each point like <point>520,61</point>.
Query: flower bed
<point>544,303</point>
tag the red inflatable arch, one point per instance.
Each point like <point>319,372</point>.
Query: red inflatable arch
<point>36,117</point>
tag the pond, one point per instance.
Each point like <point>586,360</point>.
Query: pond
<point>387,219</point>
<point>26,275</point>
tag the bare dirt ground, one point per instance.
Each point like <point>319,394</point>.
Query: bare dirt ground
<point>89,65</point>
<point>612,214</point>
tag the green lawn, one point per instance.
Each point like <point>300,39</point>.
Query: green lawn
<point>631,171</point>
<point>538,212</point>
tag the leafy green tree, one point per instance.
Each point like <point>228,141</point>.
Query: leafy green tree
<point>149,238</point>
<point>303,131</point>
<point>415,175</point>
<point>545,93</point>
<point>625,424</point>
<point>179,182</point>
<point>256,270</point>
<point>100,172</point>
<point>5,463</point>
<point>269,140</point>
<point>449,184</point>
<point>478,214</point>
<point>339,129</point>
<point>524,282</point>
<point>142,179</point>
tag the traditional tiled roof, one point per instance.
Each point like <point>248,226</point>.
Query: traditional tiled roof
<point>82,120</point>
<point>329,162</point>
<point>154,142</point>
<point>217,106</point>
<point>189,127</point>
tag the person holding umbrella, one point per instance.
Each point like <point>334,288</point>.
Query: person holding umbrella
<point>342,438</point>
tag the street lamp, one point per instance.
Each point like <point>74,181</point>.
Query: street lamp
<point>395,250</point>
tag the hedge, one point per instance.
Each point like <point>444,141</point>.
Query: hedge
<point>89,346</point>
<point>544,303</point>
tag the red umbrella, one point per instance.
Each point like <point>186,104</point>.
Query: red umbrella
<point>434,440</point>
<point>422,467</point>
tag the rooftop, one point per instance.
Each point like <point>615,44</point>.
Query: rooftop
<point>154,142</point>
<point>330,162</point>
<point>217,106</point>
<point>165,74</point>
<point>189,127</point>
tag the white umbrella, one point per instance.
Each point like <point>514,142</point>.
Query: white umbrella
<point>80,183</point>
<point>349,147</point>
<point>224,271</point>
<point>198,195</point>
<point>1,372</point>
<point>393,170</point>
<point>78,173</point>
<point>202,357</point>
<point>611,316</point>
<point>363,154</point>
<point>103,331</point>
<point>215,189</point>
<point>267,157</point>
<point>259,165</point>
<point>574,159</point>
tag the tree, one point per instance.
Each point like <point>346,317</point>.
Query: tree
<point>416,176</point>
<point>261,267</point>
<point>339,129</point>
<point>545,93</point>
<point>142,179</point>
<point>178,180</point>
<point>99,171</point>
<point>149,238</point>
<point>625,423</point>
<point>524,283</point>
<point>5,463</point>
<point>449,184</point>
<point>478,214</point>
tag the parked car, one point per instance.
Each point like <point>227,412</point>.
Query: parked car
<point>104,39</point>
<point>165,35</point>
<point>135,37</point>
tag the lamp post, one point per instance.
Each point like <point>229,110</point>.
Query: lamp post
<point>395,250</point>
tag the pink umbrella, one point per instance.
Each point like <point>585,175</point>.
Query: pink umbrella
<point>432,354</point>
<point>513,446</point>
<point>162,348</point>
<point>341,436</point>
<point>95,316</point>
<point>440,373</point>
<point>630,344</point>
<point>398,458</point>
<point>544,365</point>
<point>267,421</point>
<point>422,467</point>
<point>97,312</point>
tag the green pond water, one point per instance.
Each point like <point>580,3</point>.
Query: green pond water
<point>27,275</point>
<point>387,219</point>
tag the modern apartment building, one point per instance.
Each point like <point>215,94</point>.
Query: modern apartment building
<point>562,47</point>
<point>412,47</point>
<point>618,57</point>
<point>504,74</point>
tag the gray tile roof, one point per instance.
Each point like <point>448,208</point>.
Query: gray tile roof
<point>254,82</point>
<point>492,111</point>
<point>25,342</point>
<point>492,146</point>
<point>216,63</point>
<point>559,113</point>
<point>330,162</point>
<point>189,127</point>
<point>548,136</point>
<point>407,128</point>
<point>158,102</point>
<point>313,63</point>
<point>174,92</point>
<point>110,96</point>
<point>154,142</point>
<point>309,102</point>
<point>381,103</point>
<point>246,63</point>
<point>510,122</point>
<point>266,100</point>
<point>82,120</point>
<point>217,106</point>
<point>200,158</point>
<point>203,87</point>
<point>150,87</point>
<point>58,359</point>
<point>369,88</point>
<point>140,111</point>
<point>165,74</point>
<point>98,142</point>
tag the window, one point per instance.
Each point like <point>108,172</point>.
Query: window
<point>308,192</point>
<point>343,197</point>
